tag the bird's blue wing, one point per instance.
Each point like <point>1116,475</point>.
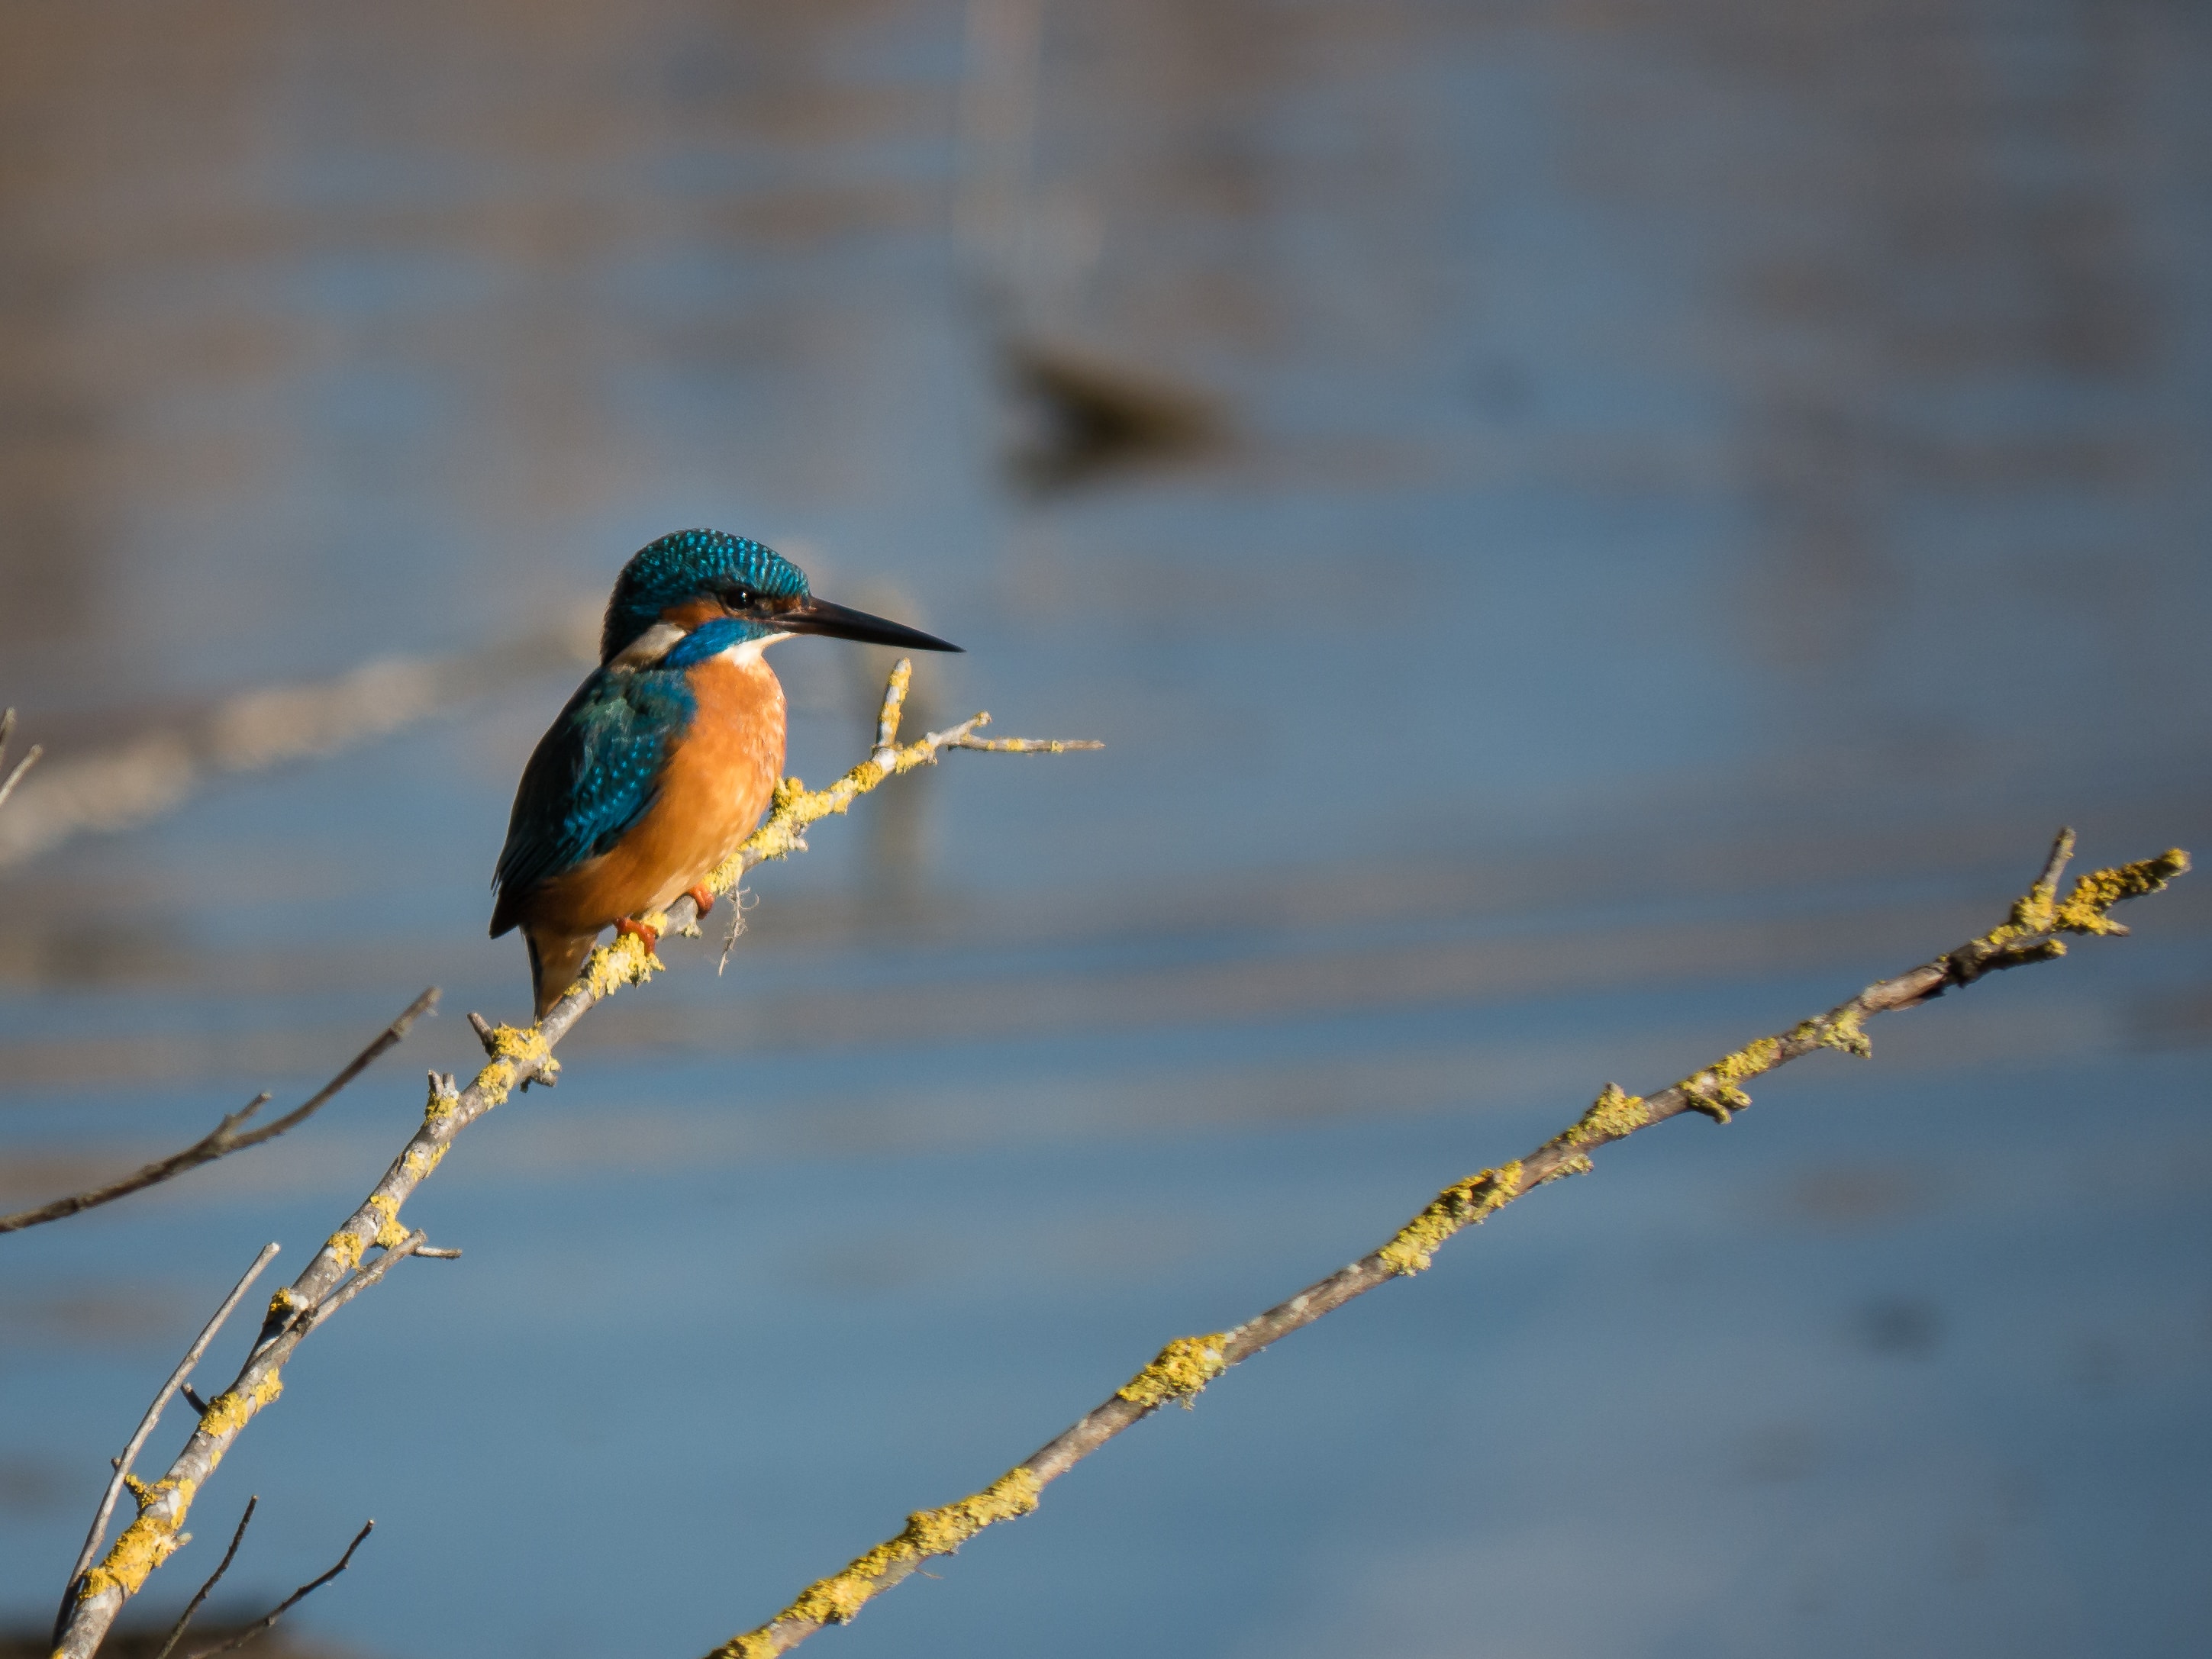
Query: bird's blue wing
<point>590,777</point>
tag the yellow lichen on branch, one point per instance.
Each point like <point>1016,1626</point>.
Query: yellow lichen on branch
<point>162,1507</point>
<point>1614,1114</point>
<point>1716,1089</point>
<point>1842,1030</point>
<point>346,1247</point>
<point>226,1413</point>
<point>1463,1204</point>
<point>2029,933</point>
<point>443,1101</point>
<point>2085,909</point>
<point>893,702</point>
<point>939,1531</point>
<point>521,1053</point>
<point>2094,894</point>
<point>1182,1369</point>
<point>625,959</point>
<point>2032,912</point>
<point>422,1160</point>
<point>526,1046</point>
<point>146,1542</point>
<point>794,807</point>
<point>389,1233</point>
<point>836,1599</point>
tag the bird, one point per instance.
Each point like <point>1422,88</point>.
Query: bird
<point>662,762</point>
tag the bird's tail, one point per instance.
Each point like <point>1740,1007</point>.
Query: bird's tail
<point>555,961</point>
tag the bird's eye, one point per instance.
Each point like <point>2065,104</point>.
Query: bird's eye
<point>737,596</point>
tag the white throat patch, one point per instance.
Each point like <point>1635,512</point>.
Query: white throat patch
<point>749,651</point>
<point>648,647</point>
<point>658,640</point>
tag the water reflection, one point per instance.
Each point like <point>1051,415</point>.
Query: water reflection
<point>1690,498</point>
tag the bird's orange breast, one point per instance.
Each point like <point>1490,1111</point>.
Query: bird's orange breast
<point>716,783</point>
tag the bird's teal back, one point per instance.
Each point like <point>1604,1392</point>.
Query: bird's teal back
<point>594,775</point>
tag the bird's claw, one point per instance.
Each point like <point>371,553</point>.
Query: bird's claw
<point>648,936</point>
<point>701,896</point>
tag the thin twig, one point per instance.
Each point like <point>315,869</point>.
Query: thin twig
<point>366,1278</point>
<point>2054,866</point>
<point>224,1139</point>
<point>2032,932</point>
<point>517,1055</point>
<point>30,756</point>
<point>153,1416</point>
<point>242,1638</point>
<point>1023,746</point>
<point>894,704</point>
<point>177,1630</point>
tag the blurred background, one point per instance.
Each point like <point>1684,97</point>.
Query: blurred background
<point>1589,530</point>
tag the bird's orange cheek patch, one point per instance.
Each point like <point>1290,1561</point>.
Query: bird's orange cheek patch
<point>692,612</point>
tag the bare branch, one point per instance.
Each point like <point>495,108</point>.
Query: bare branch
<point>1022,745</point>
<point>143,777</point>
<point>30,756</point>
<point>887,718</point>
<point>153,1416</point>
<point>518,1055</point>
<point>2054,866</point>
<point>177,1630</point>
<point>2033,932</point>
<point>224,1139</point>
<point>243,1636</point>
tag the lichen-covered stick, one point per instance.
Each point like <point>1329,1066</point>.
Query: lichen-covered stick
<point>2034,932</point>
<point>224,1139</point>
<point>518,1057</point>
<point>153,1417</point>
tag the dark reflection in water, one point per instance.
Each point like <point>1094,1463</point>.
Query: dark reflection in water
<point>1639,517</point>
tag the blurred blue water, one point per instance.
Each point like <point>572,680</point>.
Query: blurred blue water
<point>1707,492</point>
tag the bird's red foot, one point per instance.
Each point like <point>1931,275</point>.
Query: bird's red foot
<point>700,897</point>
<point>650,937</point>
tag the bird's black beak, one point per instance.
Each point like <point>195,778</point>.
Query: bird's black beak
<point>839,622</point>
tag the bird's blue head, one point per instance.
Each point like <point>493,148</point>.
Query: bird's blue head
<point>696,593</point>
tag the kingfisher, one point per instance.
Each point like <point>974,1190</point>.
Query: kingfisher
<point>663,762</point>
